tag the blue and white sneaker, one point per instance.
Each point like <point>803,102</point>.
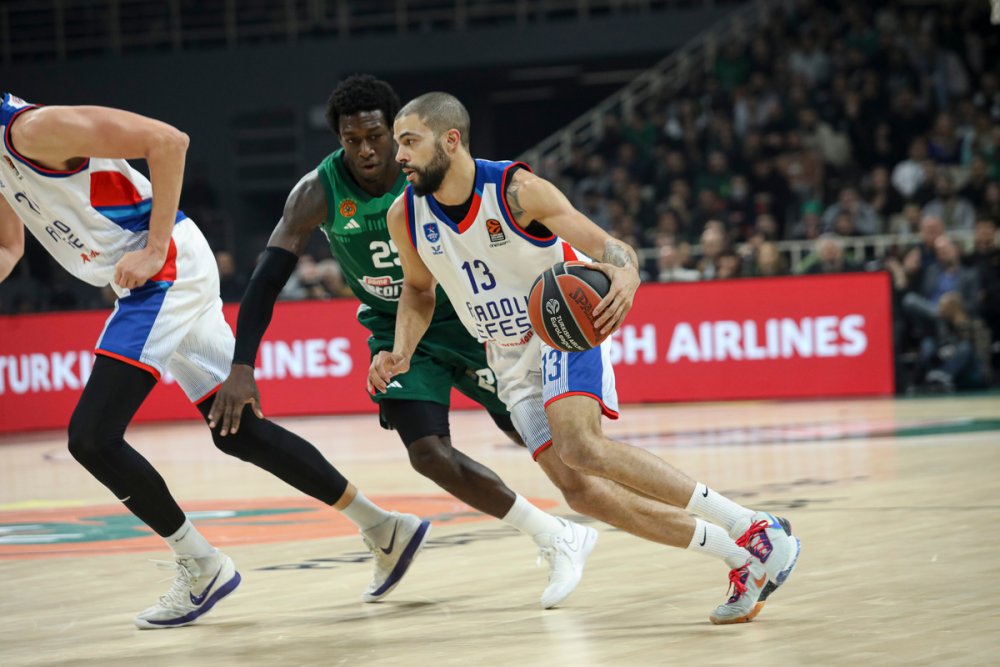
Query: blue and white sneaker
<point>409,533</point>
<point>197,588</point>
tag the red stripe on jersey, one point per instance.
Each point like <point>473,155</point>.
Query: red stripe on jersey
<point>568,253</point>
<point>169,271</point>
<point>470,217</point>
<point>112,188</point>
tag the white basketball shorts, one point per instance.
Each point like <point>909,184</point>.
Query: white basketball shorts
<point>533,375</point>
<point>174,322</point>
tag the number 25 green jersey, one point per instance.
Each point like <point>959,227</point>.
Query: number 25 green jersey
<point>355,225</point>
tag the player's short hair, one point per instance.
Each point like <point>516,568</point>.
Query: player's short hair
<point>440,112</point>
<point>357,93</point>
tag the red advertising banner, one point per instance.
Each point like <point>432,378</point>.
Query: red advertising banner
<point>792,337</point>
<point>744,339</point>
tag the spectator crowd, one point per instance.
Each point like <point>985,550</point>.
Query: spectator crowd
<point>834,122</point>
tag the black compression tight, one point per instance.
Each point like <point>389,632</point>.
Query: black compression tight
<point>96,439</point>
<point>111,398</point>
<point>282,453</point>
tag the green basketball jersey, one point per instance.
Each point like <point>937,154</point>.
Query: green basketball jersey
<point>355,225</point>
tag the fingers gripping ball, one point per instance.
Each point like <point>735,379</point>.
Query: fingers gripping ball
<point>561,306</point>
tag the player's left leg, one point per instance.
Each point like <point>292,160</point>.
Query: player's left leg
<point>393,538</point>
<point>201,361</point>
<point>423,428</point>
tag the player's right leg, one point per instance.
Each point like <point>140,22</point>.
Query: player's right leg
<point>577,389</point>
<point>113,394</point>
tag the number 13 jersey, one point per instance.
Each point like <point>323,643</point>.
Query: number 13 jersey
<point>486,263</point>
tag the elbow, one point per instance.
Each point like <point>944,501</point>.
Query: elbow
<point>170,141</point>
<point>178,140</point>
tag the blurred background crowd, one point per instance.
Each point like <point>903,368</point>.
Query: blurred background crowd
<point>843,136</point>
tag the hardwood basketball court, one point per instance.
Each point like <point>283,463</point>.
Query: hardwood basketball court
<point>894,500</point>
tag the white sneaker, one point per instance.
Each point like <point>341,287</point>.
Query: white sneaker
<point>193,594</point>
<point>566,552</point>
<point>744,604</point>
<point>392,561</point>
<point>770,539</point>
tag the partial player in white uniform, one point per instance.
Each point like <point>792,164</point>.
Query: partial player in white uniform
<point>64,176</point>
<point>484,231</point>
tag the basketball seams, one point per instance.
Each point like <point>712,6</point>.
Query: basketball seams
<point>558,286</point>
<point>579,283</point>
<point>556,271</point>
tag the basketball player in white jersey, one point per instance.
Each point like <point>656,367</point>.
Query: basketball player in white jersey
<point>484,231</point>
<point>64,176</point>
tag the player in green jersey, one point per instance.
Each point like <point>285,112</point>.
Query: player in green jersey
<point>347,196</point>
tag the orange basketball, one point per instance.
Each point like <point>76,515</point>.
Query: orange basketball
<point>562,302</point>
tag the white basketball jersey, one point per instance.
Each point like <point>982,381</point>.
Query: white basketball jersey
<point>486,263</point>
<point>86,218</point>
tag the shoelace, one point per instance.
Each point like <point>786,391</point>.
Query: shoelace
<point>546,554</point>
<point>183,582</point>
<point>736,578</point>
<point>746,540</point>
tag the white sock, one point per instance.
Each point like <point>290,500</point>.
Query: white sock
<point>714,541</point>
<point>364,513</point>
<point>187,541</point>
<point>530,520</point>
<point>716,508</point>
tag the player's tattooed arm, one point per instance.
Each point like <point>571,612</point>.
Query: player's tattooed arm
<point>514,201</point>
<point>542,201</point>
<point>618,253</point>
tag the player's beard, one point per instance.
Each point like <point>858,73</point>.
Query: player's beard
<point>429,178</point>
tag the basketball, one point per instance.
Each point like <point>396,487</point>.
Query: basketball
<point>561,305</point>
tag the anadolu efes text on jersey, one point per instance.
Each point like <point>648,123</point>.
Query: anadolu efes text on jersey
<point>486,263</point>
<point>86,218</point>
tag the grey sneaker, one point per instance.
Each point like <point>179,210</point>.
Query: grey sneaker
<point>747,583</point>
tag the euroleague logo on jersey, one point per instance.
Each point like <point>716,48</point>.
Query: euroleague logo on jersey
<point>495,230</point>
<point>348,208</point>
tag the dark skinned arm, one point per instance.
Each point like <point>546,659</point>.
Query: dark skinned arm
<point>305,210</point>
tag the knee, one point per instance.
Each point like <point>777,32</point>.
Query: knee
<point>242,443</point>
<point>583,453</point>
<point>583,495</point>
<point>431,457</point>
<point>87,437</point>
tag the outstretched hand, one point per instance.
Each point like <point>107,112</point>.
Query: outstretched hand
<point>239,389</point>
